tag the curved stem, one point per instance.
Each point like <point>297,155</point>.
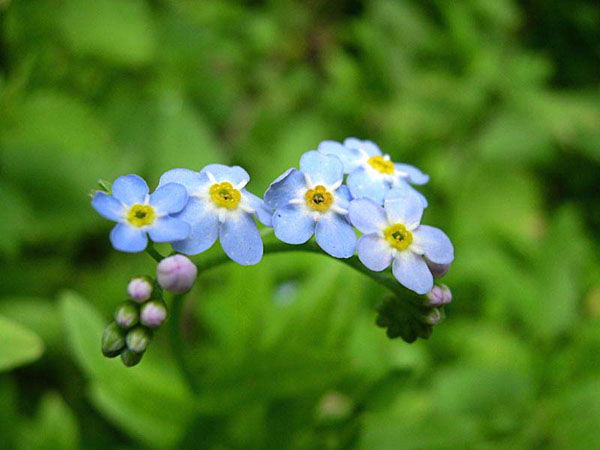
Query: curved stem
<point>176,340</point>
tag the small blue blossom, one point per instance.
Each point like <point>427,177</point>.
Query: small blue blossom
<point>139,213</point>
<point>371,174</point>
<point>394,233</point>
<point>311,201</point>
<point>220,207</point>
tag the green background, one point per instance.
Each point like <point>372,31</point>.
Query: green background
<point>497,100</point>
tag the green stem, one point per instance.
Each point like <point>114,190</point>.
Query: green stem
<point>176,340</point>
<point>154,253</point>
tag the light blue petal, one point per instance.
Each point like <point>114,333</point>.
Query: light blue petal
<point>412,272</point>
<point>403,207</point>
<point>374,252</point>
<point>130,189</point>
<point>336,236</point>
<point>293,225</point>
<point>234,174</point>
<point>367,216</point>
<point>363,185</point>
<point>322,169</point>
<point>190,179</point>
<point>286,187</point>
<point>350,157</point>
<point>263,213</point>
<point>344,197</point>
<point>126,238</point>
<point>402,188</point>
<point>415,176</point>
<point>370,148</point>
<point>434,243</point>
<point>204,228</point>
<point>241,240</point>
<point>107,206</point>
<point>169,198</point>
<point>169,229</point>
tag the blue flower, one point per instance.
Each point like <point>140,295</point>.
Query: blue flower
<point>219,206</point>
<point>139,213</point>
<point>311,201</point>
<point>395,234</point>
<point>371,174</point>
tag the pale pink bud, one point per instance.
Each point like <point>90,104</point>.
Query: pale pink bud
<point>176,274</point>
<point>139,289</point>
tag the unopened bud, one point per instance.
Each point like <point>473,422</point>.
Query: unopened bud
<point>433,317</point>
<point>127,315</point>
<point>130,358</point>
<point>140,289</point>
<point>437,270</point>
<point>435,297</point>
<point>447,294</point>
<point>153,314</point>
<point>176,274</point>
<point>113,340</point>
<point>138,339</point>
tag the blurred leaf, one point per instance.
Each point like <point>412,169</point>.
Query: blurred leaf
<point>121,32</point>
<point>55,427</point>
<point>18,345</point>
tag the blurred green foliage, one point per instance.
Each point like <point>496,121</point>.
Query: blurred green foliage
<point>498,100</point>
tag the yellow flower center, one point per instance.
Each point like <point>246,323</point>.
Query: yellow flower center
<point>398,236</point>
<point>140,215</point>
<point>382,165</point>
<point>225,195</point>
<point>319,198</point>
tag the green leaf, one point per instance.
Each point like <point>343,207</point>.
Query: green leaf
<point>55,426</point>
<point>150,402</point>
<point>18,345</point>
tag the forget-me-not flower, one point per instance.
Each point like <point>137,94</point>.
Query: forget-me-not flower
<point>395,234</point>
<point>139,213</point>
<point>219,206</point>
<point>371,174</point>
<point>311,201</point>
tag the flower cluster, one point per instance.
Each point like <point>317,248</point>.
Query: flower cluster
<point>191,210</point>
<point>337,189</point>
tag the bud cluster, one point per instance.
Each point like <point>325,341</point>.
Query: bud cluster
<point>134,321</point>
<point>392,315</point>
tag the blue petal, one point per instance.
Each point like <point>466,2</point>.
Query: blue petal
<point>374,252</point>
<point>434,243</point>
<point>169,229</point>
<point>263,213</point>
<point>336,236</point>
<point>169,198</point>
<point>190,179</point>
<point>204,227</point>
<point>130,189</point>
<point>415,176</point>
<point>363,185</point>
<point>403,188</point>
<point>370,148</point>
<point>286,187</point>
<point>367,216</point>
<point>241,240</point>
<point>322,169</point>
<point>234,174</point>
<point>126,238</point>
<point>412,272</point>
<point>293,225</point>
<point>350,157</point>
<point>403,207</point>
<point>344,197</point>
<point>107,206</point>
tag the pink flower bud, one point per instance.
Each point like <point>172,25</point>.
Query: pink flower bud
<point>447,294</point>
<point>176,274</point>
<point>435,297</point>
<point>153,314</point>
<point>139,289</point>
